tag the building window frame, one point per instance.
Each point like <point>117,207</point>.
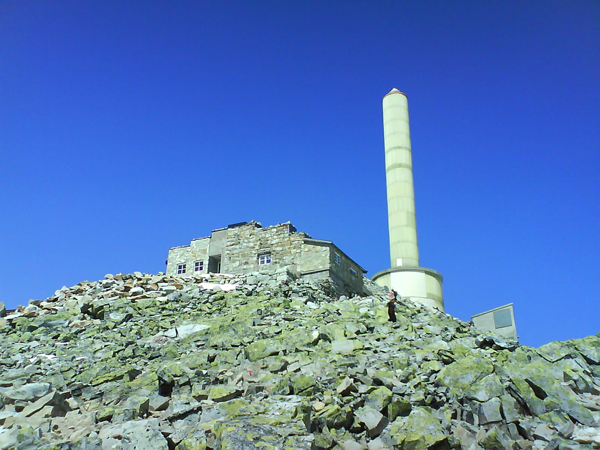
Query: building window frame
<point>337,259</point>
<point>264,259</point>
<point>181,268</point>
<point>353,272</point>
<point>198,266</point>
<point>503,318</point>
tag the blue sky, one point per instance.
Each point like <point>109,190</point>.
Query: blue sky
<point>127,128</point>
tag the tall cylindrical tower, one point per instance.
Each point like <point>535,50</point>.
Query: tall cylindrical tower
<point>405,275</point>
<point>402,223</point>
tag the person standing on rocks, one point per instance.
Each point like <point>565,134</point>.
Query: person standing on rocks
<point>392,305</point>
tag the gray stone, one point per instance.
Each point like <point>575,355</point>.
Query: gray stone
<point>8,438</point>
<point>495,342</point>
<point>186,330</point>
<point>248,434</point>
<point>489,411</point>
<point>52,398</point>
<point>30,391</point>
<point>566,429</point>
<point>461,375</point>
<point>544,432</point>
<point>263,348</point>
<point>465,435</point>
<point>510,408</point>
<point>134,435</point>
<point>346,386</point>
<point>343,346</point>
<point>351,444</point>
<point>526,395</point>
<point>554,351</point>
<point>379,444</point>
<point>486,388</point>
<point>495,439</point>
<point>158,402</point>
<point>136,291</point>
<point>587,435</point>
<point>169,289</point>
<point>421,429</point>
<point>372,419</point>
<point>379,398</point>
<point>589,348</point>
<point>224,393</point>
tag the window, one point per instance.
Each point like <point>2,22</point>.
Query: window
<point>353,272</point>
<point>264,259</point>
<point>180,269</point>
<point>503,318</point>
<point>337,258</point>
<point>198,266</point>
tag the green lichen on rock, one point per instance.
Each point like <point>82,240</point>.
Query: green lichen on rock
<point>418,431</point>
<point>161,362</point>
<point>119,374</point>
<point>263,348</point>
<point>379,398</point>
<point>461,375</point>
<point>223,393</point>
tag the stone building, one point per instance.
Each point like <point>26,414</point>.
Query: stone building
<point>248,247</point>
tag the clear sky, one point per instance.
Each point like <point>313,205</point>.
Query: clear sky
<point>127,128</point>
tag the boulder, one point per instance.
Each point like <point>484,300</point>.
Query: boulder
<point>134,435</point>
<point>27,392</point>
<point>420,430</point>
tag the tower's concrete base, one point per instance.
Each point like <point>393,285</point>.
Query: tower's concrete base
<point>416,283</point>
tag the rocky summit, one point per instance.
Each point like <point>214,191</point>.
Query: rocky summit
<point>232,362</point>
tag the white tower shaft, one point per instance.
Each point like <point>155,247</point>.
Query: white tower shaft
<point>404,250</point>
<point>405,275</point>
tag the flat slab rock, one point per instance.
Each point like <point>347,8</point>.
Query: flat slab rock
<point>134,435</point>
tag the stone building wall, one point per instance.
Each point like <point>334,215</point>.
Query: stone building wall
<point>322,259</point>
<point>248,248</point>
<point>346,269</point>
<point>246,244</point>
<point>197,251</point>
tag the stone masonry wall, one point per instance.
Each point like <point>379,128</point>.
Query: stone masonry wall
<point>314,258</point>
<point>298,252</point>
<point>246,243</point>
<point>321,256</point>
<point>347,270</point>
<point>188,254</point>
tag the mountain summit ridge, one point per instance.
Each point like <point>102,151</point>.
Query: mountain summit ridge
<point>230,362</point>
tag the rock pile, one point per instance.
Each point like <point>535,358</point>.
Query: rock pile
<point>265,361</point>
